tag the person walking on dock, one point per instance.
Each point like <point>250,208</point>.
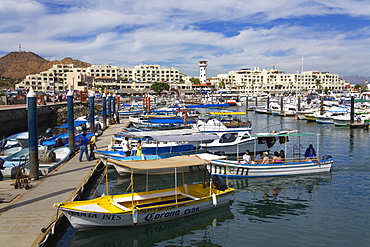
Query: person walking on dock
<point>92,143</point>
<point>83,147</point>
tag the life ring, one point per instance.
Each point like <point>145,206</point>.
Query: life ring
<point>219,183</point>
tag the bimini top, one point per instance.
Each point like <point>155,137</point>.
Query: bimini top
<point>160,132</point>
<point>283,133</point>
<point>197,137</point>
<point>172,162</point>
<point>228,113</point>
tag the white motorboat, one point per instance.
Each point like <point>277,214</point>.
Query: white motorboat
<point>49,159</point>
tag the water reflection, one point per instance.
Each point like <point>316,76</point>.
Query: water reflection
<point>264,199</point>
<point>149,235</point>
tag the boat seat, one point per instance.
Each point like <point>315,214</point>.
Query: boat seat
<point>144,197</point>
<point>164,202</point>
<point>120,206</point>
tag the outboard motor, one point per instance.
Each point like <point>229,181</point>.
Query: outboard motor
<point>49,132</point>
<point>47,155</point>
<point>219,153</point>
<point>219,183</point>
<point>98,126</point>
<point>59,142</point>
<point>326,157</point>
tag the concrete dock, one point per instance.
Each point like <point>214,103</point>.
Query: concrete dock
<point>22,219</point>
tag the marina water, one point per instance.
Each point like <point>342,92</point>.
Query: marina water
<point>327,209</point>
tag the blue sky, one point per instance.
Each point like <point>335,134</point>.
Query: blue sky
<point>331,35</point>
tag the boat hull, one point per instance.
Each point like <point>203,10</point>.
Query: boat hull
<point>235,169</point>
<point>99,217</point>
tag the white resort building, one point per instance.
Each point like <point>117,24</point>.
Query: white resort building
<point>257,81</point>
<point>60,77</point>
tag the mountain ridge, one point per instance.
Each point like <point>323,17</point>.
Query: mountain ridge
<point>17,65</point>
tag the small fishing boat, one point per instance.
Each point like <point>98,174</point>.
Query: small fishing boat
<point>294,167</point>
<point>13,140</point>
<point>5,152</point>
<point>49,159</point>
<point>182,198</point>
<point>149,235</point>
<point>130,110</point>
<point>162,142</point>
<point>62,138</point>
<point>287,166</point>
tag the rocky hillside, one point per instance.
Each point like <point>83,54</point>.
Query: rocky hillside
<point>17,65</point>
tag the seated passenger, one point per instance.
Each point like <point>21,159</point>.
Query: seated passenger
<point>310,153</point>
<point>276,158</point>
<point>259,157</point>
<point>266,159</point>
<point>247,158</point>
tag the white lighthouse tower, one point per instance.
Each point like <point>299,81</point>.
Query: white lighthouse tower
<point>202,71</point>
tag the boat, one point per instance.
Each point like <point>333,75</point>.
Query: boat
<point>327,117</point>
<point>151,205</point>
<point>13,140</point>
<point>150,235</point>
<point>295,167</point>
<point>130,110</point>
<point>5,152</point>
<point>164,142</point>
<point>49,159</point>
<point>345,120</point>
<point>289,110</point>
<point>62,138</point>
<point>289,166</point>
<point>215,124</point>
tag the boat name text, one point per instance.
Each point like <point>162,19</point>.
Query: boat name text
<point>91,215</point>
<point>156,216</point>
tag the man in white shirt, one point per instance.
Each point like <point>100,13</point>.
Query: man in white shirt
<point>126,148</point>
<point>247,157</point>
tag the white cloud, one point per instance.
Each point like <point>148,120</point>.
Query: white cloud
<point>125,33</point>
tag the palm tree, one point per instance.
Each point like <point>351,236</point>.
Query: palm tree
<point>318,84</point>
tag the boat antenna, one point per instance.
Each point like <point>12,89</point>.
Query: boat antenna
<point>302,65</point>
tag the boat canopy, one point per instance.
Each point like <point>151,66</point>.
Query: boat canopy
<point>187,138</point>
<point>76,123</point>
<point>283,134</point>
<point>160,132</point>
<point>208,105</point>
<point>228,113</point>
<point>172,162</point>
<point>169,120</point>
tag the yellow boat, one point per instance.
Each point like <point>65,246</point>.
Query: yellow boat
<point>150,206</point>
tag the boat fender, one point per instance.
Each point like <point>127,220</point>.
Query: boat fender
<point>214,199</point>
<point>135,214</point>
<point>219,182</point>
<point>326,157</point>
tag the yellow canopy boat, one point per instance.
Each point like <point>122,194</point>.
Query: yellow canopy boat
<point>150,206</point>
